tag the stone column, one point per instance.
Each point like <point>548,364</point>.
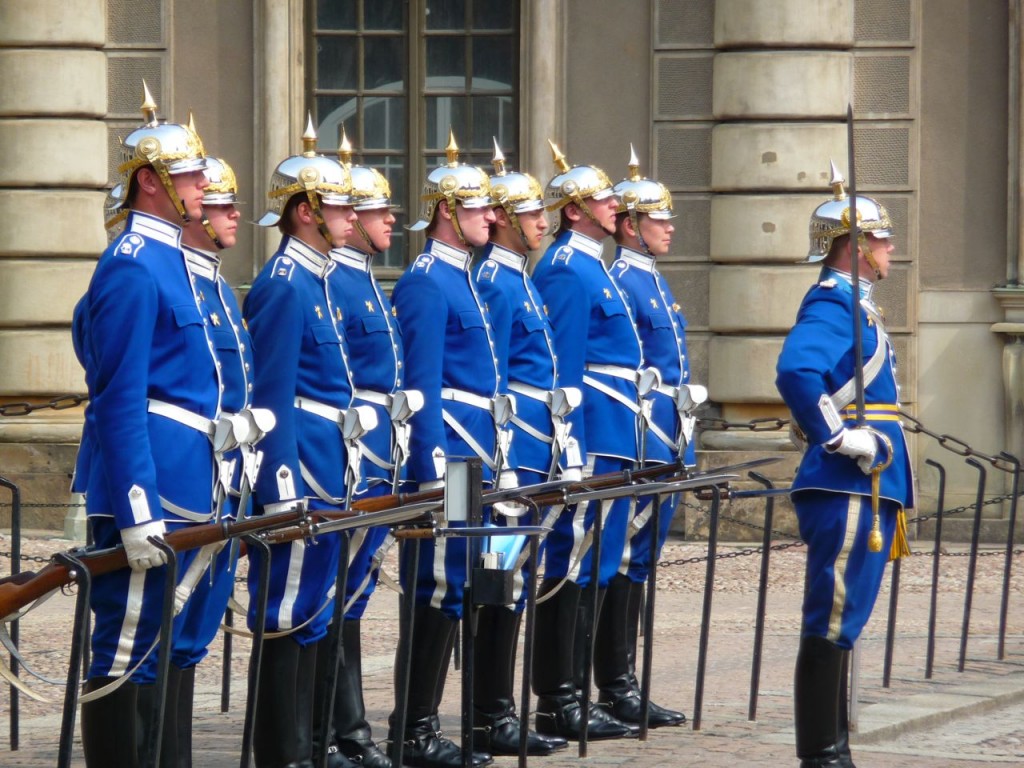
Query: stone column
<point>1011,296</point>
<point>53,170</point>
<point>782,82</point>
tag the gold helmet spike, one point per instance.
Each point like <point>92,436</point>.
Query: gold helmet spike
<point>344,148</point>
<point>837,181</point>
<point>634,164</point>
<point>452,150</point>
<point>559,159</point>
<point>309,137</point>
<point>498,161</point>
<point>148,106</point>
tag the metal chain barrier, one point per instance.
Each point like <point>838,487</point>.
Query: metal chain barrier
<point>61,403</point>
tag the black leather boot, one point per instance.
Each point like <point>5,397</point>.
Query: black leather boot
<point>816,702</point>
<point>324,659</point>
<point>425,744</point>
<point>105,740</point>
<point>186,696</point>
<point>843,722</point>
<point>495,720</point>
<point>146,701</point>
<point>615,657</point>
<point>352,736</point>
<point>305,688</point>
<point>275,735</point>
<point>558,705</point>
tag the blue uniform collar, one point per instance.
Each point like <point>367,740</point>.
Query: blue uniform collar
<point>845,279</point>
<point>636,259</point>
<point>587,245</point>
<point>306,256</point>
<point>202,263</point>
<point>506,258</point>
<point>449,254</point>
<point>352,257</point>
<point>154,228</point>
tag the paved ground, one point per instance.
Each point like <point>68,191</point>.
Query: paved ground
<point>958,719</point>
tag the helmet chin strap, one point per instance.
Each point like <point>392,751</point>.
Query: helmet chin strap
<point>635,219</point>
<point>366,236</point>
<point>314,203</point>
<point>869,257</point>
<point>212,234</point>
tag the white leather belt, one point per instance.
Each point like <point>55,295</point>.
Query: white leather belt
<point>182,416</point>
<point>669,391</point>
<point>324,411</point>
<point>372,396</point>
<point>530,391</point>
<point>618,371</point>
<point>469,398</point>
<point>600,386</point>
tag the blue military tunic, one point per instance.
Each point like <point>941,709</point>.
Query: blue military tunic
<point>830,492</point>
<point>450,357</point>
<point>377,361</point>
<point>141,336</point>
<point>202,615</point>
<point>662,328</point>
<point>302,376</point>
<point>600,352</point>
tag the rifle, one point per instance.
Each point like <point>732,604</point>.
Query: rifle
<point>25,587</point>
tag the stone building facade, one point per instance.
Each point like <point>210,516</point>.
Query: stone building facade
<point>737,105</point>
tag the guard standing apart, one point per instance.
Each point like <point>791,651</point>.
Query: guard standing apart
<point>644,234</point>
<point>527,362</point>
<point>599,353</point>
<point>302,376</point>
<point>205,588</point>
<point>376,358</point>
<point>450,357</point>
<point>832,491</point>
<point>148,464</point>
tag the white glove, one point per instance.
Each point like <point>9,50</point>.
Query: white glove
<point>571,474</point>
<point>142,555</point>
<point>859,444</point>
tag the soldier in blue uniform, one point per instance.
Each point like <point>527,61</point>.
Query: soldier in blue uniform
<point>451,358</point>
<point>376,357</point>
<point>205,588</point>
<point>832,491</point>
<point>599,352</point>
<point>644,234</point>
<point>303,377</point>
<point>148,465</point>
<point>528,365</point>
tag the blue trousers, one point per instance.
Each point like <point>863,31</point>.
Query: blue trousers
<point>843,576</point>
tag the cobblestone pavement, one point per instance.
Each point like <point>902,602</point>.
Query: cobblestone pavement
<point>958,719</point>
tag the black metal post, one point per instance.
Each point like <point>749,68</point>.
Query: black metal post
<point>531,614</point>
<point>972,561</point>
<point>335,652</point>
<point>705,620</point>
<point>15,569</point>
<point>652,585</point>
<point>163,664</point>
<point>1004,604</point>
<point>890,627</point>
<point>936,556</point>
<point>229,621</point>
<point>591,594</point>
<point>475,512</point>
<point>256,655</point>
<point>79,639</point>
<point>762,594</point>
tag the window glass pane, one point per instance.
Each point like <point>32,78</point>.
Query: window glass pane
<point>442,112</point>
<point>336,63</point>
<point>384,63</point>
<point>493,116</point>
<point>383,122</point>
<point>383,14</point>
<point>446,62</point>
<point>336,14</point>
<point>493,14</point>
<point>331,112</point>
<point>446,14</point>
<point>493,63</point>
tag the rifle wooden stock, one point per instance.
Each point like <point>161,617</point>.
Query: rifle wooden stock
<point>23,588</point>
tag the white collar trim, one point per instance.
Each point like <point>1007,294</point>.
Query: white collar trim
<point>155,228</point>
<point>588,245</point>
<point>637,259</point>
<point>507,258</point>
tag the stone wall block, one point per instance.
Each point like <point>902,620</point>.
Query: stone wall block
<point>775,156</point>
<point>53,23</point>
<point>746,228</point>
<point>784,23</point>
<point>782,84</point>
<point>53,153</point>
<point>49,82</point>
<point>38,362</point>
<point>758,299</point>
<point>742,369</point>
<point>74,225</point>
<point>41,292</point>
